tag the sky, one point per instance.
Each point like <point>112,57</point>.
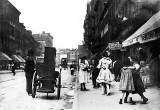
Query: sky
<point>63,19</point>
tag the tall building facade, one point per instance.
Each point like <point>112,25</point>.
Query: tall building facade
<point>110,21</point>
<point>14,38</point>
<point>45,40</point>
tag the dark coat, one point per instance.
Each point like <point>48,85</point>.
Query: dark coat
<point>138,83</point>
<point>117,68</point>
<point>29,71</point>
<point>29,66</point>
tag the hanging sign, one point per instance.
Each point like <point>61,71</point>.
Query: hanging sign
<point>114,46</point>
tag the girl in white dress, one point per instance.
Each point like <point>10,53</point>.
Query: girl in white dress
<point>83,63</point>
<point>104,77</point>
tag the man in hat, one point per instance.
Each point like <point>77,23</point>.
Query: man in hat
<point>29,71</point>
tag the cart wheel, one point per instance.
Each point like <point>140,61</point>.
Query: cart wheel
<point>58,86</point>
<point>34,85</point>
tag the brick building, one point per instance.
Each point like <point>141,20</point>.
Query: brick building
<point>113,21</point>
<point>14,38</point>
<point>45,40</point>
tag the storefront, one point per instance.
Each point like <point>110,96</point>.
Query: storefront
<point>4,61</point>
<point>17,61</point>
<point>146,41</point>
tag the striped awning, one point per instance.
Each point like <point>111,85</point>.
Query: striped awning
<point>16,58</point>
<point>21,58</point>
<point>152,24</point>
<point>3,56</point>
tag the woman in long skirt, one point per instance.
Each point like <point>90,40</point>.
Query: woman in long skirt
<point>126,81</point>
<point>138,83</point>
<point>104,77</point>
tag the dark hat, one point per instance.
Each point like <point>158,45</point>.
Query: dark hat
<point>30,52</point>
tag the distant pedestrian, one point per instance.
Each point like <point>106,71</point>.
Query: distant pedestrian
<point>144,73</point>
<point>126,81</point>
<point>72,68</point>
<point>95,73</point>
<point>29,71</point>
<point>104,77</point>
<point>83,63</point>
<point>117,65</point>
<point>60,68</point>
<point>14,68</point>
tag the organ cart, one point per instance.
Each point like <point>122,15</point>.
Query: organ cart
<point>46,79</point>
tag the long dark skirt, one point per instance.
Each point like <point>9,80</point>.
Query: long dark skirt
<point>138,83</point>
<point>95,74</point>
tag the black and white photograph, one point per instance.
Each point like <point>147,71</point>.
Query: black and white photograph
<point>79,54</point>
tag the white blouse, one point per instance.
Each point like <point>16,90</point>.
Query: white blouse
<point>83,65</point>
<point>104,62</point>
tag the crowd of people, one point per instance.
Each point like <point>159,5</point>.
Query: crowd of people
<point>131,74</point>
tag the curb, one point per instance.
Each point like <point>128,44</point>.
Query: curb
<point>75,101</point>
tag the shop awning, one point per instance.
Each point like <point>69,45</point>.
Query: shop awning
<point>151,24</point>
<point>21,58</point>
<point>16,58</point>
<point>3,56</point>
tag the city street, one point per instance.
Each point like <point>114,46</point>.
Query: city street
<point>14,97</point>
<point>103,37</point>
<point>13,94</point>
<point>94,100</point>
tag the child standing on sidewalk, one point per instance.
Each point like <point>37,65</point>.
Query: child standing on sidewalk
<point>104,77</point>
<point>144,73</point>
<point>83,63</point>
<point>126,81</point>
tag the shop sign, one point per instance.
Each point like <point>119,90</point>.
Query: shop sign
<point>130,42</point>
<point>142,39</point>
<point>114,46</point>
<point>148,37</point>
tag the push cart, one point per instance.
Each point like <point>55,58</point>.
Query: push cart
<point>45,78</point>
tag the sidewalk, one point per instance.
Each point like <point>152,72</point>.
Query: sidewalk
<point>94,100</point>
